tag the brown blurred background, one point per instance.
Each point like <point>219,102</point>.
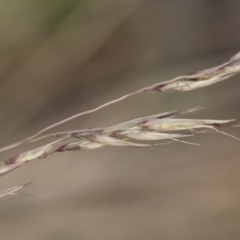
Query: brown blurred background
<point>61,57</point>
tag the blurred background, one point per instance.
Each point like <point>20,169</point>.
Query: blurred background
<point>58,58</point>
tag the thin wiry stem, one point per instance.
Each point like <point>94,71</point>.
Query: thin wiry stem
<point>182,83</point>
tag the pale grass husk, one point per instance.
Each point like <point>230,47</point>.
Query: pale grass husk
<point>150,128</point>
<point>181,83</point>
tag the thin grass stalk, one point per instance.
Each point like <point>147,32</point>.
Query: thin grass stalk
<point>181,83</point>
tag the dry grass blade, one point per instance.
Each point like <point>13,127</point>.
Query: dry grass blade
<point>151,128</point>
<point>182,83</point>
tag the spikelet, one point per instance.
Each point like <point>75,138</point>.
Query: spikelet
<point>183,124</point>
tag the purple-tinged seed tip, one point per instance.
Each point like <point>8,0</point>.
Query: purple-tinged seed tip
<point>11,160</point>
<point>62,148</point>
